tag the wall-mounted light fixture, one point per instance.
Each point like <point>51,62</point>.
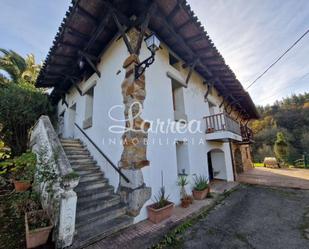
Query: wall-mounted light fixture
<point>81,63</point>
<point>153,44</point>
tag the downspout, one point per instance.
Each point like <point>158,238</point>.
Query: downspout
<point>232,157</point>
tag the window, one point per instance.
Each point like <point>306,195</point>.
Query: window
<point>88,108</point>
<point>174,62</point>
<point>212,108</point>
<point>182,156</point>
<point>178,101</point>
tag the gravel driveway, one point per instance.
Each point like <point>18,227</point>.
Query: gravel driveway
<point>254,217</point>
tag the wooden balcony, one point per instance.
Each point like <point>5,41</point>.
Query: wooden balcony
<point>221,127</point>
<point>247,134</point>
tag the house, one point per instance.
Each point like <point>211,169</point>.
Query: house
<point>180,111</point>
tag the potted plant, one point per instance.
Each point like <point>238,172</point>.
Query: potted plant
<point>201,187</point>
<point>161,209</point>
<point>186,200</point>
<point>210,130</point>
<point>38,227</point>
<point>23,171</point>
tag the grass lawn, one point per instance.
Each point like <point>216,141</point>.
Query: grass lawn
<point>258,164</point>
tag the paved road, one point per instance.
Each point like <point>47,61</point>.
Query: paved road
<point>254,217</point>
<point>284,177</point>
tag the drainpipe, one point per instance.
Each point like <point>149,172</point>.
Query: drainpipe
<point>232,156</point>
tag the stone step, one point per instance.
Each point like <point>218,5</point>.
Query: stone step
<point>65,140</point>
<point>79,156</point>
<point>93,194</point>
<point>82,161</point>
<point>102,216</point>
<point>83,171</point>
<point>91,184</point>
<point>74,149</point>
<point>77,152</point>
<point>86,236</point>
<point>82,167</point>
<point>87,207</point>
<point>92,176</point>
<point>99,212</point>
<point>72,145</point>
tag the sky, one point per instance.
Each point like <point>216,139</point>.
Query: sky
<point>250,34</point>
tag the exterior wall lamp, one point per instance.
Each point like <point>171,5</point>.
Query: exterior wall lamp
<point>153,44</point>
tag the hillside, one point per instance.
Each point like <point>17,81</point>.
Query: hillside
<point>288,119</point>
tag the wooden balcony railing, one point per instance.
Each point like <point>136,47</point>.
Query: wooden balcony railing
<point>246,133</point>
<point>222,122</point>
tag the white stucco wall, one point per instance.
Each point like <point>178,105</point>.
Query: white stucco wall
<point>161,151</point>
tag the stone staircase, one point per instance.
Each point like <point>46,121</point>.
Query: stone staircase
<point>99,211</point>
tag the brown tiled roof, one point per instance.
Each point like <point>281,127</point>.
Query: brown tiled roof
<point>89,27</point>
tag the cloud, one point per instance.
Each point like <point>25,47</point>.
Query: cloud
<point>253,34</point>
<point>249,34</point>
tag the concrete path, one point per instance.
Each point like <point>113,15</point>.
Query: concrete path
<point>146,234</point>
<point>254,217</point>
<point>284,177</point>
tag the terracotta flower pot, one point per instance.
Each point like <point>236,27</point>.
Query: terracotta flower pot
<point>190,197</point>
<point>200,195</point>
<point>185,202</point>
<point>39,236</point>
<point>210,130</point>
<point>158,215</point>
<point>21,186</point>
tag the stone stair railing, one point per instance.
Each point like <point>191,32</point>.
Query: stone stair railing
<point>61,203</point>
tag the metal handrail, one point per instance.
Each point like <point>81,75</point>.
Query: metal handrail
<point>102,153</point>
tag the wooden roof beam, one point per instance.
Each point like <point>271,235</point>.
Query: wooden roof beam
<point>92,57</point>
<point>152,8</point>
<point>89,58</point>
<point>98,31</point>
<point>81,11</point>
<point>57,65</point>
<point>121,17</point>
<point>174,11</point>
<point>195,38</point>
<point>123,33</point>
<point>203,50</point>
<point>74,84</point>
<point>64,56</point>
<point>209,87</point>
<point>190,71</point>
<point>61,74</point>
<point>183,25</point>
<point>76,33</point>
<point>67,44</point>
<point>189,51</point>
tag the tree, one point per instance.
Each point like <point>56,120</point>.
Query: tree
<point>17,67</point>
<point>20,106</point>
<point>262,152</point>
<point>305,142</point>
<point>281,147</point>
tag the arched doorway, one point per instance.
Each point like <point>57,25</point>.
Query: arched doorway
<point>216,164</point>
<point>238,161</point>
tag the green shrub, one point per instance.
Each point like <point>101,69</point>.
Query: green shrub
<point>200,182</point>
<point>20,107</point>
<point>161,200</point>
<point>20,168</point>
<point>182,182</point>
<point>24,202</point>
